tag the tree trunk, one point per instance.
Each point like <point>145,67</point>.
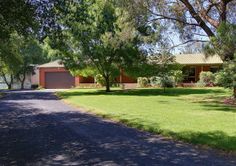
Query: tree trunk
<point>22,82</point>
<point>107,81</point>
<point>234,93</point>
<point>9,86</point>
<point>22,85</point>
<point>11,81</point>
<point>199,20</point>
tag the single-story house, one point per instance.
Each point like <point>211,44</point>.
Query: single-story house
<point>194,64</point>
<point>53,75</point>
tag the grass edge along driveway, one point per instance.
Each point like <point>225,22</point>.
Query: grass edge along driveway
<point>195,115</point>
<point>1,95</point>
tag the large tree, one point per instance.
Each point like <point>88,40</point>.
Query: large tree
<point>98,34</point>
<point>31,53</point>
<point>27,18</point>
<point>194,20</point>
<point>224,44</point>
<point>10,59</point>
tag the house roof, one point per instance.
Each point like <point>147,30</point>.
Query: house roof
<point>184,59</point>
<point>56,63</point>
<point>197,59</point>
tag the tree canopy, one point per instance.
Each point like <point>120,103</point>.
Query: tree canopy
<point>193,20</point>
<point>100,35</point>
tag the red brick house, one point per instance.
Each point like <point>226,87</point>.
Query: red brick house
<point>53,75</point>
<point>194,64</point>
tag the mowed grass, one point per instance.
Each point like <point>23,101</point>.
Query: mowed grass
<point>194,115</point>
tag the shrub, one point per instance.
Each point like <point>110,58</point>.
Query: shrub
<point>167,82</point>
<point>201,84</point>
<point>177,76</point>
<point>155,81</point>
<point>143,82</point>
<point>162,82</point>
<point>222,79</point>
<point>100,80</point>
<point>206,79</point>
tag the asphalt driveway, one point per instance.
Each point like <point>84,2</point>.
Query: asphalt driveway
<point>38,129</point>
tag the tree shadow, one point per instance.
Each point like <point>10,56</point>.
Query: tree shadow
<point>144,92</point>
<point>215,103</point>
<point>29,135</point>
<point>219,107</point>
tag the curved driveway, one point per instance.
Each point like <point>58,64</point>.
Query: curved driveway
<point>38,129</point>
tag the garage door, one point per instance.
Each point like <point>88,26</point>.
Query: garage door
<point>59,80</point>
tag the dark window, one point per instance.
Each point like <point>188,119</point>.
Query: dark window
<point>214,69</point>
<point>192,72</point>
<point>189,74</point>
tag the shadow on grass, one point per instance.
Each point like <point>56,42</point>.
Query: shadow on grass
<point>219,107</point>
<point>215,103</point>
<point>215,139</point>
<point>144,92</point>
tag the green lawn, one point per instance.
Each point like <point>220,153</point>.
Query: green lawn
<point>194,115</point>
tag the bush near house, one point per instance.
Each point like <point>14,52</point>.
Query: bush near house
<point>143,82</point>
<point>206,79</point>
<point>168,81</point>
<point>100,80</point>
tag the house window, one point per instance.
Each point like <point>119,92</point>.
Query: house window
<point>214,69</point>
<point>190,74</point>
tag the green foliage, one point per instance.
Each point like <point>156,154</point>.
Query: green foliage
<point>143,82</point>
<point>167,82</point>
<point>86,72</point>
<point>177,76</point>
<point>224,43</point>
<point>98,35</point>
<point>206,79</point>
<point>227,77</point>
<point>16,16</point>
<point>160,82</point>
<point>166,69</point>
<point>99,79</point>
<point>18,58</point>
<point>190,19</point>
<point>10,59</point>
<point>31,53</point>
<point>155,81</point>
<point>201,84</point>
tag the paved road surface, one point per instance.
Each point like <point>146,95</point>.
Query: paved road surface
<point>38,129</point>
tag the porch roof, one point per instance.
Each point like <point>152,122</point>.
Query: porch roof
<point>198,59</point>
